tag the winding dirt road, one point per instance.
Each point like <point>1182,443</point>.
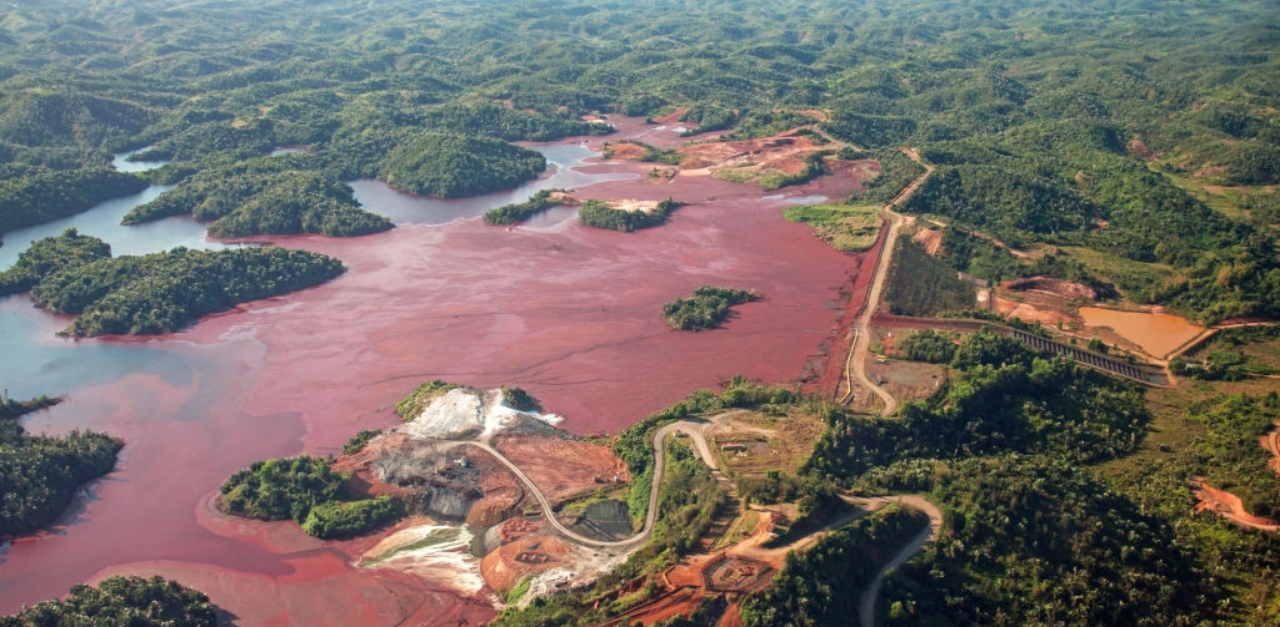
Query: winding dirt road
<point>867,601</point>
<point>693,429</point>
<point>857,361</point>
<point>696,432</point>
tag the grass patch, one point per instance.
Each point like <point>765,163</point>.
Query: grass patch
<point>1137,279</point>
<point>357,441</point>
<point>734,175</point>
<point>742,527</point>
<point>519,591</point>
<point>579,503</point>
<point>848,228</point>
<point>410,406</point>
<point>787,449</point>
<point>1227,203</point>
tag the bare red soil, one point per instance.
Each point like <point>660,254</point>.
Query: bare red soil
<point>1228,506</point>
<point>1271,442</point>
<point>1028,312</point>
<point>567,312</point>
<point>626,151</point>
<point>1056,287</point>
<point>928,239</point>
<point>825,375</point>
<point>562,468</point>
<point>673,117</point>
<point>505,567</point>
<point>786,152</point>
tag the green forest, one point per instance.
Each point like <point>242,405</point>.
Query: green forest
<point>518,212</point>
<point>50,256</point>
<point>40,474</point>
<point>264,196</point>
<point>450,165</point>
<point>707,309</point>
<point>76,274</point>
<point>134,601</point>
<point>596,213</point>
<point>1074,124</point>
<point>306,490</point>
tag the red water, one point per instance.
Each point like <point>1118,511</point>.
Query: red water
<point>567,312</point>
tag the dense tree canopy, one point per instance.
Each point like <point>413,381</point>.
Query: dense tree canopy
<point>264,197</point>
<point>449,165</point>
<point>45,196</point>
<point>516,213</point>
<point>40,474</point>
<point>162,292</point>
<point>1082,124</point>
<point>51,255</point>
<point>596,213</point>
<point>708,309</point>
<point>133,601</point>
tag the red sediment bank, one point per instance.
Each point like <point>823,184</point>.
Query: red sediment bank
<point>862,269</point>
<point>567,312</point>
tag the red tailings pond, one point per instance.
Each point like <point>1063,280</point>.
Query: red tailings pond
<point>569,313</point>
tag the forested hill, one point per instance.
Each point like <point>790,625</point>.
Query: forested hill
<point>1141,133</point>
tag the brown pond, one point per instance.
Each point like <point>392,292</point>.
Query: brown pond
<point>1157,333</point>
<point>567,312</point>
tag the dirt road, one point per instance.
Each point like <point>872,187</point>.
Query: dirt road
<point>867,601</point>
<point>693,429</point>
<point>857,362</point>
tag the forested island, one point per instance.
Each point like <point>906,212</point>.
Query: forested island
<point>449,165</point>
<point>157,293</point>
<point>707,309</point>
<point>598,214</point>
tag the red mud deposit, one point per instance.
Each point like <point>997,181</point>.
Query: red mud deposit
<point>569,313</point>
<point>825,382</point>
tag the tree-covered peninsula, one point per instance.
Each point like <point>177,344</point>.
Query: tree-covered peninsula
<point>264,197</point>
<point>518,212</point>
<point>306,490</point>
<point>42,196</point>
<point>50,255</point>
<point>133,601</point>
<point>40,474</point>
